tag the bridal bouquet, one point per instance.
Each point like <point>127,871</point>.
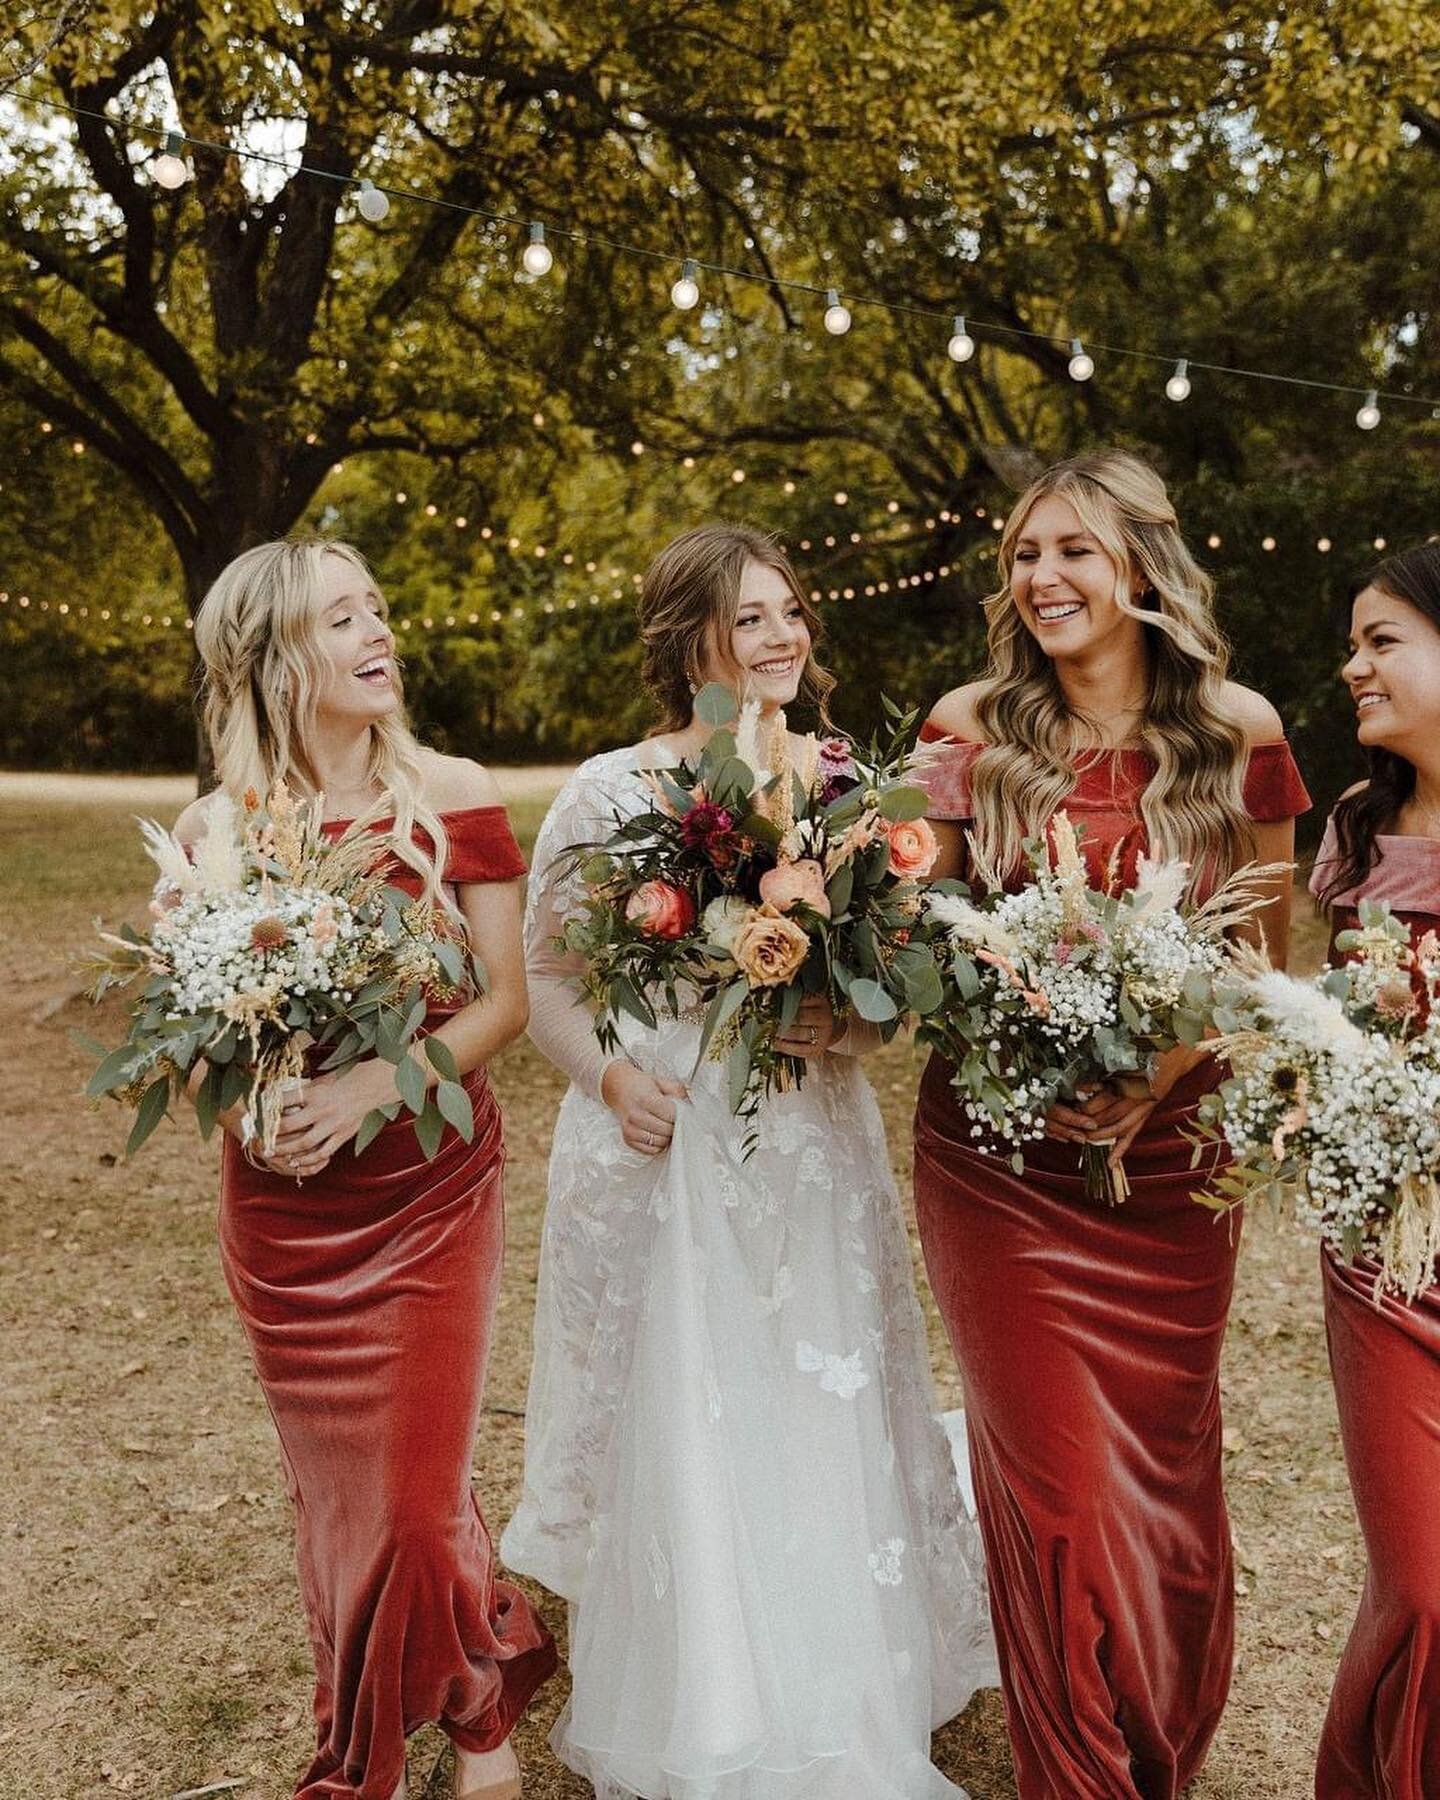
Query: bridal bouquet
<point>1333,1101</point>
<point>1062,985</point>
<point>754,879</point>
<point>273,948</point>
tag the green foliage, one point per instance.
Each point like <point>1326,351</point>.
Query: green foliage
<point>244,356</point>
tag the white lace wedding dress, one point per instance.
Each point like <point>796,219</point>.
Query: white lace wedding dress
<point>732,1469</point>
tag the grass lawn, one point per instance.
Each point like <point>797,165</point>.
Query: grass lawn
<point>151,1637</point>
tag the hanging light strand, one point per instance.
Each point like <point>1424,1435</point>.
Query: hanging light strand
<point>175,141</point>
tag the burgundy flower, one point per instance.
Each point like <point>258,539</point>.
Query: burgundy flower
<point>837,769</point>
<point>711,829</point>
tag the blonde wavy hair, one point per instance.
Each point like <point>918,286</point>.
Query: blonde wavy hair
<point>689,601</point>
<point>1193,806</point>
<point>257,636</point>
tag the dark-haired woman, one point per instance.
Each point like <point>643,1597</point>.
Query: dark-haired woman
<point>1382,1734</point>
<point>731,1468</point>
<point>1089,1336</point>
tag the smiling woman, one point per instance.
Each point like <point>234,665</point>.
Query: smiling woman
<point>1097,1452</point>
<point>366,1279</point>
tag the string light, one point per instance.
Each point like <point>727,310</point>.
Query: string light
<point>170,169</point>
<point>837,314</point>
<point>372,203</point>
<point>1082,364</point>
<point>537,256</point>
<point>1178,386</point>
<point>1368,417</point>
<point>961,346</point>
<point>686,291</point>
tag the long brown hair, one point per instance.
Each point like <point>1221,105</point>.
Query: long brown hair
<point>1193,806</point>
<point>689,602</point>
<point>1414,577</point>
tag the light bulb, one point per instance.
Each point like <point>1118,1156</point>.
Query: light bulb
<point>169,169</point>
<point>961,346</point>
<point>536,256</point>
<point>837,314</point>
<point>1178,386</point>
<point>1082,364</point>
<point>372,203</point>
<point>1368,416</point>
<point>686,291</point>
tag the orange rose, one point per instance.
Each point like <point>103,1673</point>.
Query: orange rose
<point>794,884</point>
<point>913,848</point>
<point>660,910</point>
<point>769,948</point>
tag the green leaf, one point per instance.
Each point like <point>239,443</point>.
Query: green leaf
<point>737,1067</point>
<point>371,1126</point>
<point>722,1009</point>
<point>452,962</point>
<point>112,1073</point>
<point>840,888</point>
<point>151,1111</point>
<point>924,990</point>
<point>429,1129</point>
<point>899,804</point>
<point>411,1083</point>
<point>456,1106</point>
<point>715,704</point>
<point>207,1102</point>
<point>872,1002</point>
<point>626,997</point>
<point>441,1059</point>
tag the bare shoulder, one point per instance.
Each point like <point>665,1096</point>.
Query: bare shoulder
<point>194,822</point>
<point>1252,712</point>
<point>955,712</point>
<point>455,783</point>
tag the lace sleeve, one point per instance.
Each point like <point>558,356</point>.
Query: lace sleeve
<point>561,1024</point>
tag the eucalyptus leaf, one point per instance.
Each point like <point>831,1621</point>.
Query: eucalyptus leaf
<point>872,1002</point>
<point>411,1083</point>
<point>900,804</point>
<point>429,1129</point>
<point>371,1126</point>
<point>456,1106</point>
<point>441,1058</point>
<point>151,1111</point>
<point>715,704</point>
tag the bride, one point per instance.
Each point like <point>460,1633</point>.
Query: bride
<point>732,1470</point>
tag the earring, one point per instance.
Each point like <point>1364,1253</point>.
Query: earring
<point>692,687</point>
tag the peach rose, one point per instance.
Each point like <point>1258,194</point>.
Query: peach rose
<point>794,884</point>
<point>660,910</point>
<point>913,848</point>
<point>770,948</point>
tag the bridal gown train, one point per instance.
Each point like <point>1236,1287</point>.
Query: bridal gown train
<point>732,1468</point>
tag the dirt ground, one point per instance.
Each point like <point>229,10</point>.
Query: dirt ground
<point>151,1640</point>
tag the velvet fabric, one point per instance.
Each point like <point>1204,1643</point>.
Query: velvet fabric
<point>1088,1339</point>
<point>1381,1739</point>
<point>367,1293</point>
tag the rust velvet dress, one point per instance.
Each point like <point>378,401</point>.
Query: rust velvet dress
<point>367,1293</point>
<point>1382,1734</point>
<point>1088,1339</point>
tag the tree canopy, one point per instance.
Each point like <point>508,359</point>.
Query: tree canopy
<point>1247,186</point>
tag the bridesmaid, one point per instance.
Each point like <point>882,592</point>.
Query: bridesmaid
<point>1089,1337</point>
<point>367,1283</point>
<point>1382,1735</point>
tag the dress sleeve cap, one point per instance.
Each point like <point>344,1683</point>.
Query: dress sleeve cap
<point>946,778</point>
<point>481,846</point>
<point>1274,789</point>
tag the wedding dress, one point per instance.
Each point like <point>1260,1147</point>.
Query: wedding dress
<point>732,1468</point>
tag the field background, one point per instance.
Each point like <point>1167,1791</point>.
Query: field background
<point>151,1638</point>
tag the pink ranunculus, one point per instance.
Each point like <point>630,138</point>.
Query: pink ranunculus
<point>913,848</point>
<point>660,910</point>
<point>794,884</point>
